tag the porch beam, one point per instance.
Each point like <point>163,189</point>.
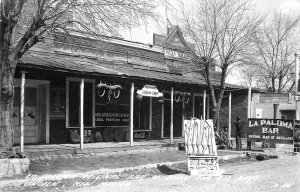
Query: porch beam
<point>22,103</point>
<point>81,113</point>
<point>131,113</point>
<point>171,122</point>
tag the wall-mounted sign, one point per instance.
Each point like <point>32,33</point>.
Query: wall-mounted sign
<point>149,91</point>
<point>270,130</point>
<point>175,54</point>
<point>275,98</point>
<point>111,116</point>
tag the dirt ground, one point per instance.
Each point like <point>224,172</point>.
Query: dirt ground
<point>72,173</point>
<point>275,175</point>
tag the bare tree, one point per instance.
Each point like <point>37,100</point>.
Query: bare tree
<point>275,45</point>
<point>24,23</point>
<point>222,31</point>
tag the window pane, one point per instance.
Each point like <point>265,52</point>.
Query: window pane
<point>74,104</point>
<point>141,117</point>
<point>17,96</point>
<point>30,96</point>
<point>88,104</point>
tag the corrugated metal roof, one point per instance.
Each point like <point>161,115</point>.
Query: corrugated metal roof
<point>95,66</point>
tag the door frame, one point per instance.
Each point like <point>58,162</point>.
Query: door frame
<point>37,83</point>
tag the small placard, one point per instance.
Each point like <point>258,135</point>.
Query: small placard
<point>140,135</point>
<point>203,165</point>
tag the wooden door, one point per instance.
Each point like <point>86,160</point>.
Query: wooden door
<point>31,115</point>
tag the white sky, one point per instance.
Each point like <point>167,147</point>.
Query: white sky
<point>144,34</point>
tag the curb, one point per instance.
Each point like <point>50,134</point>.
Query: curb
<point>116,151</point>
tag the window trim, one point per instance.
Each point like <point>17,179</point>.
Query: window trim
<point>68,79</point>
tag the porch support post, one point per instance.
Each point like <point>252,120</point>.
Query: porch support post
<point>249,102</point>
<point>131,113</point>
<point>171,122</point>
<point>297,85</point>
<point>204,104</point>
<point>229,118</point>
<point>22,111</point>
<point>81,113</point>
<point>162,119</point>
<point>182,124</point>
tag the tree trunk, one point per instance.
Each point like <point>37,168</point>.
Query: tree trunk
<point>6,108</point>
<point>7,70</point>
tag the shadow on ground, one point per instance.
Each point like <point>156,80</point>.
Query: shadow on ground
<point>169,171</point>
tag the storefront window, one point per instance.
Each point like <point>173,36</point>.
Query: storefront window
<point>141,117</point>
<point>73,109</point>
<point>198,106</point>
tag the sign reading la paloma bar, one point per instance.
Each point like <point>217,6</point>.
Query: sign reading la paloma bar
<point>270,130</point>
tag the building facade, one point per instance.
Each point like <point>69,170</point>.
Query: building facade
<point>113,88</point>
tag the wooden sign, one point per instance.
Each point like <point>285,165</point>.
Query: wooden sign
<point>275,98</point>
<point>270,130</point>
<point>200,147</point>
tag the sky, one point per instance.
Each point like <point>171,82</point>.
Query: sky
<point>144,34</point>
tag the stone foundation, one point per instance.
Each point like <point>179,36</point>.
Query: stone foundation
<point>9,167</point>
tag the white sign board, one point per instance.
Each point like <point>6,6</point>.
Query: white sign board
<point>200,147</point>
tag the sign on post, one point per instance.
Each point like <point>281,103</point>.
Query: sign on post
<point>201,148</point>
<point>275,98</point>
<point>270,130</point>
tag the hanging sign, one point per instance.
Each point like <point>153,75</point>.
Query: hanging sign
<point>270,130</point>
<point>149,91</point>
